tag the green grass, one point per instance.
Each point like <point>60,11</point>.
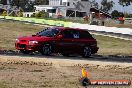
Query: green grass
<point>3,85</point>
<point>74,20</point>
<point>113,46</point>
<point>9,31</point>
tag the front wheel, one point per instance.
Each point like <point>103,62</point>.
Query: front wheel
<point>46,49</point>
<point>86,52</point>
<point>65,54</point>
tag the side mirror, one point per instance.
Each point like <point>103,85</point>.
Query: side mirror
<point>33,35</point>
<point>60,36</point>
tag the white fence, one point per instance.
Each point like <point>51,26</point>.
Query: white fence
<point>114,30</point>
<point>127,31</point>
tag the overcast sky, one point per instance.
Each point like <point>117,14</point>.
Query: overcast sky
<point>118,7</point>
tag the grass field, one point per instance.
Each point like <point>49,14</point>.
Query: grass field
<point>9,31</point>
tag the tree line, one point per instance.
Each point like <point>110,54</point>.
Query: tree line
<point>106,5</point>
<point>28,5</point>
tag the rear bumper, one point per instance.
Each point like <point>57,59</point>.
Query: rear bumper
<point>94,49</point>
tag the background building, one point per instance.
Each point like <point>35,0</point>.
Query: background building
<point>66,8</point>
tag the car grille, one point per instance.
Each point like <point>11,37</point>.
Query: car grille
<point>22,40</point>
<point>22,46</point>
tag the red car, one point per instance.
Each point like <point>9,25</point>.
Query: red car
<point>59,40</point>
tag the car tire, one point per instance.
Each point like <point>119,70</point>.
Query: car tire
<point>65,54</point>
<point>46,49</point>
<point>86,52</point>
<point>24,51</point>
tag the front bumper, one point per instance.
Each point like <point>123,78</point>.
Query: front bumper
<point>20,46</point>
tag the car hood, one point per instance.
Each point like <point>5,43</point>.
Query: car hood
<point>34,38</point>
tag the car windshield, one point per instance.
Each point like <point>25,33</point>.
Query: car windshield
<point>49,32</point>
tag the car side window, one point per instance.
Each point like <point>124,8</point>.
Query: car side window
<point>76,34</point>
<point>67,34</point>
<point>85,34</point>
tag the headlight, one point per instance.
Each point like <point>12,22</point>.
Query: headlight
<point>17,40</point>
<point>33,42</point>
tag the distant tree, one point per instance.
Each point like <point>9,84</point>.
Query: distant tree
<point>115,14</point>
<point>20,14</point>
<point>29,7</point>
<point>121,18</point>
<point>41,2</point>
<point>94,4</point>
<point>13,14</point>
<point>121,14</point>
<point>4,2</point>
<point>4,13</point>
<point>41,14</point>
<point>33,15</point>
<point>106,5</point>
<point>125,2</point>
<point>126,15</point>
<point>26,5</point>
<point>18,3</point>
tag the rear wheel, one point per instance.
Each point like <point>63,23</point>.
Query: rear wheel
<point>25,51</point>
<point>86,52</point>
<point>65,54</point>
<point>46,49</point>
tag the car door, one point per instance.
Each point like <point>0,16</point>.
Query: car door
<point>66,43</point>
<point>76,41</point>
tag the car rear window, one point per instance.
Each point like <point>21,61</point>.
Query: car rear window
<point>85,34</point>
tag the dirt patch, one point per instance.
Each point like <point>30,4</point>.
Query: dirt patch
<point>30,72</point>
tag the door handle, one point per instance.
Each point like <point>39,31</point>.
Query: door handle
<point>72,40</point>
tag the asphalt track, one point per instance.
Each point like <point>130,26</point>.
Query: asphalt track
<point>110,58</point>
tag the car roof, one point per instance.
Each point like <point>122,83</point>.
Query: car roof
<point>65,28</point>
